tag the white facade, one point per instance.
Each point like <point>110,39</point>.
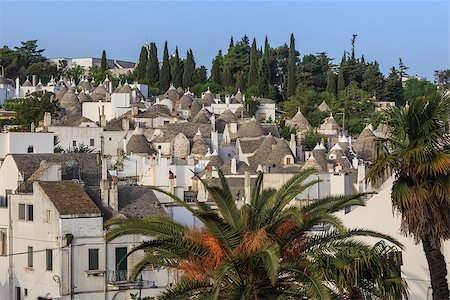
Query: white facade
<point>25,142</point>
<point>378,215</point>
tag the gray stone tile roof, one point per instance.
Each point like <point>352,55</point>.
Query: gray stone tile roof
<point>364,146</point>
<point>299,122</point>
<point>138,202</point>
<point>70,104</point>
<point>69,197</point>
<point>251,128</point>
<point>189,129</point>
<point>202,117</point>
<point>84,166</point>
<point>156,110</point>
<point>138,144</point>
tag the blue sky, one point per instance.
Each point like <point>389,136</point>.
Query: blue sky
<point>416,31</point>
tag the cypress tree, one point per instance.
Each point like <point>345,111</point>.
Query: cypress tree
<point>331,82</point>
<point>231,46</point>
<point>253,70</point>
<point>263,76</point>
<point>200,75</point>
<point>142,64</point>
<point>240,80</point>
<point>216,69</point>
<point>177,69</point>
<point>188,70</point>
<point>373,80</point>
<point>393,87</point>
<point>226,78</point>
<point>402,68</point>
<point>292,68</point>
<point>152,70</point>
<point>341,76</point>
<point>164,79</point>
<point>103,62</point>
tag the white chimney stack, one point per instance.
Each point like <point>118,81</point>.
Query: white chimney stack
<point>233,166</point>
<point>17,87</point>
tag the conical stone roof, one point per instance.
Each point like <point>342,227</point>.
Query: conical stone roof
<point>138,144</point>
<point>70,104</point>
<point>250,128</point>
<point>300,122</point>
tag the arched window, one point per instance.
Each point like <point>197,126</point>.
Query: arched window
<point>30,149</point>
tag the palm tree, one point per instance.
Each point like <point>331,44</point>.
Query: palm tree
<point>416,150</point>
<point>266,249</point>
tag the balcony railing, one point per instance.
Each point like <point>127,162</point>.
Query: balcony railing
<point>121,277</point>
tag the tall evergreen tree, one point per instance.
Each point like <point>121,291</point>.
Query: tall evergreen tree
<point>393,87</point>
<point>142,64</point>
<point>231,46</point>
<point>176,69</point>
<point>227,77</point>
<point>103,62</point>
<point>216,69</point>
<point>189,69</point>
<point>292,68</point>
<point>331,82</point>
<point>200,75</point>
<point>253,69</point>
<point>373,80</point>
<point>402,68</point>
<point>263,76</point>
<point>152,70</point>
<point>341,75</point>
<point>165,77</point>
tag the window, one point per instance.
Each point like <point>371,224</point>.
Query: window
<point>30,149</point>
<point>110,139</point>
<point>4,200</point>
<point>26,212</point>
<point>93,259</point>
<point>49,259</point>
<point>30,212</point>
<point>18,296</point>
<point>48,216</point>
<point>91,142</point>
<point>21,211</point>
<point>288,160</point>
<point>30,257</point>
<point>74,143</point>
<point>25,292</point>
<point>3,240</point>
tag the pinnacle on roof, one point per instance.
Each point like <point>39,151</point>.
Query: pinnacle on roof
<point>336,147</point>
<point>106,79</point>
<point>27,82</point>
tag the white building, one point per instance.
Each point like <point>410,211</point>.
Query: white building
<point>25,142</point>
<point>378,215</point>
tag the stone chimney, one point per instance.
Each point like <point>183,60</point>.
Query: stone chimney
<point>134,110</point>
<point>247,189</point>
<point>293,144</point>
<point>104,183</point>
<point>133,96</point>
<point>34,80</point>
<point>125,124</point>
<point>47,119</point>
<point>110,87</point>
<point>17,87</point>
<point>103,118</point>
<point>114,195</point>
<point>213,121</point>
<point>233,166</point>
<point>215,141</point>
<point>32,127</point>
